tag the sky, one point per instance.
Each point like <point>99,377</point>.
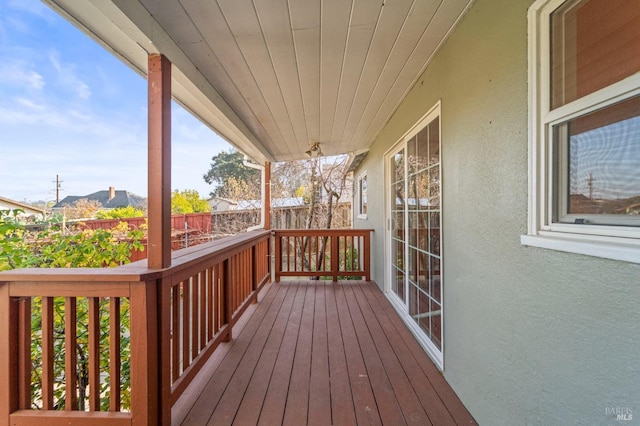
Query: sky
<point>70,108</point>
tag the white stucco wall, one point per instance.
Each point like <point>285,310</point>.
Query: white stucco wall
<point>532,336</point>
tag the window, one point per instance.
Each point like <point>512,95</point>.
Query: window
<point>584,130</point>
<point>362,196</point>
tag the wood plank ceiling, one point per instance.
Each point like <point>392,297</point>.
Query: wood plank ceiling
<point>274,76</point>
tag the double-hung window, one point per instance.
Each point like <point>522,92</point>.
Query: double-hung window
<point>584,127</point>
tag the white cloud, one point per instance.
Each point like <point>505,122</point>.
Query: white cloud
<point>68,77</point>
<point>16,73</point>
<point>33,7</point>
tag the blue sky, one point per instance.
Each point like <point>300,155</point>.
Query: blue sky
<point>69,107</point>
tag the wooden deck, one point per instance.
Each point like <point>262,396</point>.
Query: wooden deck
<point>316,352</point>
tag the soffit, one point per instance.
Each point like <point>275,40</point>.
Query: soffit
<point>273,76</point>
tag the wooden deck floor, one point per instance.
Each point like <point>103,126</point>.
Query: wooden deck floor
<point>319,353</point>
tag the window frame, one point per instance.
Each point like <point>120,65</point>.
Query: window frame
<point>607,241</point>
<point>361,177</point>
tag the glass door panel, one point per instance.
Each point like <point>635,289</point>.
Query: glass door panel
<point>415,231</point>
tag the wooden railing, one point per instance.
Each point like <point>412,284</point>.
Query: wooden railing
<point>119,346</point>
<point>335,253</point>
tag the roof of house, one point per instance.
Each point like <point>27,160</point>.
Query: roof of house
<point>121,198</point>
<point>7,203</point>
<point>275,202</point>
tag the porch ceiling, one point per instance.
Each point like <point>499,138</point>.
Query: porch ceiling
<point>273,76</point>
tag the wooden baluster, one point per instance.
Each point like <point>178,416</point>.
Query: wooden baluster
<point>228,297</point>
<point>210,310</point>
<point>176,331</point>
<point>218,299</point>
<point>278,261</point>
<point>186,314</point>
<point>202,305</point>
<point>24,349</point>
<point>256,250</point>
<point>334,257</point>
<point>114,354</point>
<point>94,354</point>
<point>194,315</point>
<point>367,256</point>
<point>47,353</point>
<point>70,358</point>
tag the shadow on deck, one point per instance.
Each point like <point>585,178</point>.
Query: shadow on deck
<point>315,352</point>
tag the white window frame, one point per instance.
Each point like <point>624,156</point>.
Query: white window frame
<point>361,177</point>
<point>611,242</point>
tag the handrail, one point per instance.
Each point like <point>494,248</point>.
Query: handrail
<point>176,318</point>
<point>334,253</point>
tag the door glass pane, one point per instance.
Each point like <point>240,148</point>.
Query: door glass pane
<point>399,193</point>
<point>411,155</point>
<point>397,167</point>
<point>412,202</point>
<point>422,160</point>
<point>434,141</point>
<point>434,187</point>
<point>436,324</point>
<point>435,281</point>
<point>434,233</point>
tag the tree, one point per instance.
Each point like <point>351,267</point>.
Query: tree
<point>188,201</point>
<point>227,165</point>
<point>82,209</point>
<point>234,189</point>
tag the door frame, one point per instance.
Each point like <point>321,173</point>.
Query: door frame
<point>437,355</point>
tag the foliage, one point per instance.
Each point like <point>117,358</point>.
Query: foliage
<point>227,165</point>
<point>51,248</point>
<point>188,201</point>
<point>120,213</point>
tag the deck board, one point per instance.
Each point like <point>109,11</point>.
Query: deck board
<point>319,353</point>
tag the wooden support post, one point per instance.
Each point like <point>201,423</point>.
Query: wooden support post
<point>164,333</point>
<point>145,394</point>
<point>159,172</point>
<point>8,354</point>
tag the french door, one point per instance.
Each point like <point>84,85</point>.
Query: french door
<point>413,211</point>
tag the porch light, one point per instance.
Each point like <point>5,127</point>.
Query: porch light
<point>314,151</point>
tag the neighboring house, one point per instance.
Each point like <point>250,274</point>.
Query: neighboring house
<point>497,112</point>
<point>109,199</point>
<point>8,204</point>
<point>219,204</point>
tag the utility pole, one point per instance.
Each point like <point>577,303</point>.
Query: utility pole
<point>58,183</point>
<point>590,185</point>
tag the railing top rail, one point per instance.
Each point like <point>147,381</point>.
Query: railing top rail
<point>322,232</point>
<point>138,271</point>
